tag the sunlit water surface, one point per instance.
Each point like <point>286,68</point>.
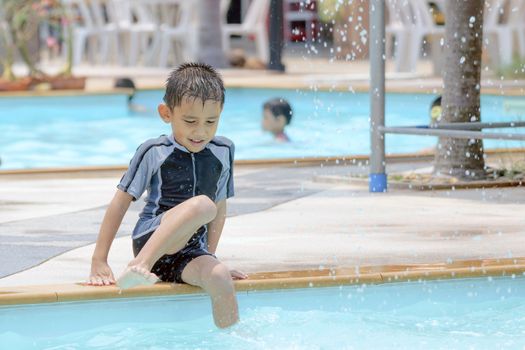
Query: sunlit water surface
<point>483,313</point>
<point>99,130</point>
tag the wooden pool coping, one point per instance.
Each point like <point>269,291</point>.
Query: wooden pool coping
<point>339,276</point>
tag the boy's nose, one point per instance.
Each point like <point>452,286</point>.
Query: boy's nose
<point>199,135</point>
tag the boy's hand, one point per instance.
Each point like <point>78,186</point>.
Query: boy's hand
<point>238,275</point>
<point>101,274</point>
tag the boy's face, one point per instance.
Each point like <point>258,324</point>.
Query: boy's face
<point>192,123</point>
<point>271,123</point>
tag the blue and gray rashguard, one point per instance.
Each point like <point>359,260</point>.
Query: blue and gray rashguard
<point>171,174</point>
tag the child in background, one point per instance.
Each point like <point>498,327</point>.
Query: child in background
<point>127,83</point>
<point>435,111</point>
<point>277,113</point>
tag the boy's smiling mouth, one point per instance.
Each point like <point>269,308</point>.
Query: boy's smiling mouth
<point>196,142</point>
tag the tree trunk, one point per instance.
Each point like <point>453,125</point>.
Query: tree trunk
<point>461,158</point>
<point>210,35</point>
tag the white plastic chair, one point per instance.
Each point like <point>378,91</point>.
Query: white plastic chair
<point>91,33</point>
<point>176,29</point>
<point>138,31</point>
<point>517,20</point>
<point>500,27</point>
<point>421,26</point>
<point>396,29</point>
<point>254,24</point>
<point>497,34</point>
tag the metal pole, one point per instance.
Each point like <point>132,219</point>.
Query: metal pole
<point>276,35</point>
<point>478,125</point>
<point>377,176</point>
<point>458,134</point>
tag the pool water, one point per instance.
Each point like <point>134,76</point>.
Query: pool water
<point>99,130</point>
<point>481,313</point>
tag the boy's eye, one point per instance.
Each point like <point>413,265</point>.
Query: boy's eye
<point>190,121</point>
<point>211,122</point>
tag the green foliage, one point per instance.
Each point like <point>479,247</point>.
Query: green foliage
<point>23,18</point>
<point>329,9</point>
<point>517,167</point>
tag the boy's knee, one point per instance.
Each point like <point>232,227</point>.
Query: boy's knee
<point>204,207</point>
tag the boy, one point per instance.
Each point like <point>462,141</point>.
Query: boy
<point>188,175</point>
<point>277,113</point>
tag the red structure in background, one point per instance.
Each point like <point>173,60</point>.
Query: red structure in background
<point>300,20</point>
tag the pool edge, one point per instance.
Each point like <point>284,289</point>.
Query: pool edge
<point>338,276</point>
<point>304,161</point>
<point>357,86</point>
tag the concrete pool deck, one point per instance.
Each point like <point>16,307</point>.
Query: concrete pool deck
<point>280,220</point>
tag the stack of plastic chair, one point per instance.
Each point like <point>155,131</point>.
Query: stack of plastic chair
<point>397,29</point>
<point>517,22</point>
<point>497,34</point>
<point>253,24</point>
<point>421,27</point>
<point>176,29</point>
<point>138,32</point>
<point>92,34</point>
<point>503,19</point>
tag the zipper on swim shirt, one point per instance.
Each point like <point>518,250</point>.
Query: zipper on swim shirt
<point>194,173</point>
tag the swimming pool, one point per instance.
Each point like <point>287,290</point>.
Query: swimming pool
<point>98,129</point>
<point>480,313</point>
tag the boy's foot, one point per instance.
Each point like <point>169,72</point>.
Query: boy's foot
<point>136,276</point>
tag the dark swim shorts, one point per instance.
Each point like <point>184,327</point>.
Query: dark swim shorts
<point>170,266</point>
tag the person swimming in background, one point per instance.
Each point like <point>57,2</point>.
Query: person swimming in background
<point>435,111</point>
<point>127,83</point>
<point>277,113</point>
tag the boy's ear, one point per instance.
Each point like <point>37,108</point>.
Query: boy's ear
<point>164,112</point>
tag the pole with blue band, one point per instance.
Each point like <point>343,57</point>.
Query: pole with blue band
<point>377,178</point>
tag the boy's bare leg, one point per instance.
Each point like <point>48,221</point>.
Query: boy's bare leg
<point>214,277</point>
<point>176,228</point>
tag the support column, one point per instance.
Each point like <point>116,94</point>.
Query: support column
<point>377,176</point>
<point>276,35</point>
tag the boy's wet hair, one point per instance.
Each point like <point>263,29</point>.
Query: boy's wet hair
<point>193,80</point>
<point>279,106</point>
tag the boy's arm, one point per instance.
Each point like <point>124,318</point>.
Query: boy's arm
<point>215,227</point>
<point>101,273</point>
